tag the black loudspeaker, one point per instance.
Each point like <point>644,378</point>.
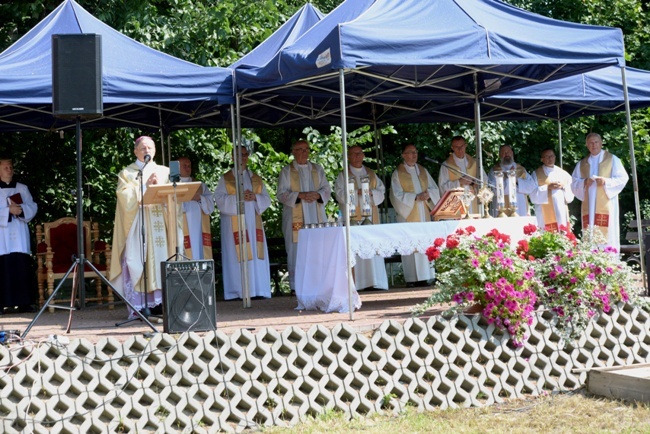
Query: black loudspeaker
<point>189,296</point>
<point>77,76</point>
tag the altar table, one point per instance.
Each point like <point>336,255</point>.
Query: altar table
<point>321,266</point>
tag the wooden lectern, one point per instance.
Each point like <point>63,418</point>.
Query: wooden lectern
<point>450,206</point>
<point>171,194</point>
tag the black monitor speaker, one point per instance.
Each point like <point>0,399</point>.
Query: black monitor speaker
<point>77,76</point>
<point>188,296</point>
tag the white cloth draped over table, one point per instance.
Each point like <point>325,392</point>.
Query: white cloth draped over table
<point>321,268</point>
<point>259,275</point>
<point>312,212</point>
<point>370,272</point>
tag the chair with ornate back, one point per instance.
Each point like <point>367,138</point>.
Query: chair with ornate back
<point>57,250</point>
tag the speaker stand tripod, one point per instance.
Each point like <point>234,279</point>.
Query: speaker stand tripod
<point>80,262</point>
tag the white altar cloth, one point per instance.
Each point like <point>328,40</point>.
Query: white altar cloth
<point>321,266</point>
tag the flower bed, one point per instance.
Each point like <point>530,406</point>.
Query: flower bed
<point>575,279</point>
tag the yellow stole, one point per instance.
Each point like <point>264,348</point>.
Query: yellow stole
<point>298,218</point>
<point>372,177</point>
<point>520,173</point>
<point>206,236</point>
<point>472,170</point>
<point>548,210</point>
<point>406,182</point>
<point>231,188</point>
<point>601,217</point>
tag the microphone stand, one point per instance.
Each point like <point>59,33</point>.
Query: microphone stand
<point>145,311</point>
<point>460,172</point>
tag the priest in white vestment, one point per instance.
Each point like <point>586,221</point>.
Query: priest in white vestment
<point>17,208</point>
<point>135,264</point>
<point>552,194</point>
<point>368,273</point>
<point>197,236</point>
<point>597,181</point>
<point>524,182</point>
<point>303,190</point>
<point>255,255</point>
<point>413,194</point>
<point>455,168</point>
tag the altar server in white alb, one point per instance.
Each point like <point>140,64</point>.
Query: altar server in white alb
<point>552,193</point>
<point>303,190</point>
<point>597,181</point>
<point>255,255</point>
<point>523,180</point>
<point>457,165</point>
<point>414,194</point>
<point>197,236</point>
<point>368,273</point>
<point>17,208</point>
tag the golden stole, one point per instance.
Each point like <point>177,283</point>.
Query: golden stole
<point>601,218</point>
<point>548,210</point>
<point>520,173</point>
<point>298,218</point>
<point>406,182</point>
<point>372,177</point>
<point>472,170</point>
<point>231,188</point>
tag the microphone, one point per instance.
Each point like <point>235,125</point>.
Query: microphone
<point>147,158</point>
<point>431,160</point>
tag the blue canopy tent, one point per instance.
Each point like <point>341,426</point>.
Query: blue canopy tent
<point>409,60</point>
<point>142,87</point>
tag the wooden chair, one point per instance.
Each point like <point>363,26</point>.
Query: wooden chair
<point>56,251</point>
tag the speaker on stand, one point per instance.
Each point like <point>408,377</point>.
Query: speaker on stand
<point>189,296</point>
<point>77,76</point>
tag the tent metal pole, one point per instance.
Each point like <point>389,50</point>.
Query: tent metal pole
<point>477,130</point>
<point>559,138</point>
<point>346,179</point>
<point>635,181</point>
<point>379,155</point>
<point>241,210</point>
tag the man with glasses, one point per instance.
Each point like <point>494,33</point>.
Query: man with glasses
<point>552,193</point>
<point>414,193</point>
<point>303,190</point>
<point>455,167</point>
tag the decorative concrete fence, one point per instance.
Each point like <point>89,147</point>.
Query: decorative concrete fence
<point>214,382</point>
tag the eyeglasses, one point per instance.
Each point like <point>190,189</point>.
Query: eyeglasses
<point>301,149</point>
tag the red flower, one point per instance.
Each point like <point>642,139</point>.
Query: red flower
<point>530,229</point>
<point>470,230</point>
<point>522,248</point>
<point>452,242</point>
<point>439,242</point>
<point>433,253</point>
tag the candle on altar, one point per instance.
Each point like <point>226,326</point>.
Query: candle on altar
<point>352,198</point>
<point>365,197</point>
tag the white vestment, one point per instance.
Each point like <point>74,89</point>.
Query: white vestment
<point>367,272</point>
<point>14,234</point>
<point>560,198</point>
<point>613,186</point>
<point>194,211</point>
<point>416,266</point>
<point>129,249</point>
<point>524,187</point>
<point>445,183</point>
<point>259,275</point>
<point>313,212</point>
